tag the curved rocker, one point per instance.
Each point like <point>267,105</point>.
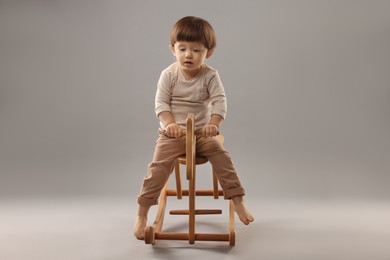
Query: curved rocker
<point>190,160</point>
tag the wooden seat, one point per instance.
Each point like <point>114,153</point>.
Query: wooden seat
<point>198,160</point>
<point>190,160</point>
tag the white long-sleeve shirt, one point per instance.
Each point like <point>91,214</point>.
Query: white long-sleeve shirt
<point>203,95</point>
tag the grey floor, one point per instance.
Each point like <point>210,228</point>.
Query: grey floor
<point>101,228</point>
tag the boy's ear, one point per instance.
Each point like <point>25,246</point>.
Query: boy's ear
<point>210,52</point>
<point>172,48</point>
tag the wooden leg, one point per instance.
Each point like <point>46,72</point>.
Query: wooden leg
<point>178,181</point>
<point>192,209</point>
<point>150,231</point>
<point>215,185</point>
<point>232,235</point>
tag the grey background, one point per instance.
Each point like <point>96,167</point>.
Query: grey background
<point>308,88</point>
<point>308,126</point>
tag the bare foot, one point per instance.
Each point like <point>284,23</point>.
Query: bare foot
<point>140,222</point>
<point>243,213</point>
<point>139,227</point>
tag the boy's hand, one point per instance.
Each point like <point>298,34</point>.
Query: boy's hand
<point>210,130</point>
<point>173,130</point>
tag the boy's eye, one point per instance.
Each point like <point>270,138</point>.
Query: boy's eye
<point>196,50</point>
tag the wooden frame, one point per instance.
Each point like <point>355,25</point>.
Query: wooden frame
<point>154,232</point>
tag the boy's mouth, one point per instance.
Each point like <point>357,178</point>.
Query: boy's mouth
<point>188,62</point>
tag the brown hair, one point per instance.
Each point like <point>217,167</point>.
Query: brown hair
<point>194,29</point>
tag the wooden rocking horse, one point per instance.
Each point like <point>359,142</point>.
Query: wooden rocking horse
<point>190,160</point>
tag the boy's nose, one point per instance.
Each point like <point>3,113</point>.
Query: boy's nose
<point>188,54</point>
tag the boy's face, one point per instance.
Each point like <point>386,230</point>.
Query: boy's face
<point>190,55</point>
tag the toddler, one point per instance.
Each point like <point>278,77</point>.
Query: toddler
<point>189,86</point>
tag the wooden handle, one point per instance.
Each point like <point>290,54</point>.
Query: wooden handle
<point>183,132</point>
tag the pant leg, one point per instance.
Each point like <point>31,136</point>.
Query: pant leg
<point>222,164</point>
<point>165,155</point>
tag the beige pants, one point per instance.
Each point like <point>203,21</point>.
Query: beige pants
<point>166,152</point>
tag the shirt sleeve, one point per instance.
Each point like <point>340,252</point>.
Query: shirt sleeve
<point>163,93</point>
<point>217,96</point>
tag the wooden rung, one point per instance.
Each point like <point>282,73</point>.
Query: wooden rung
<point>197,193</point>
<point>171,236</point>
<point>198,236</point>
<point>212,237</point>
<point>197,212</point>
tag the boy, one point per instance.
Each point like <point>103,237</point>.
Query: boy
<point>189,86</point>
